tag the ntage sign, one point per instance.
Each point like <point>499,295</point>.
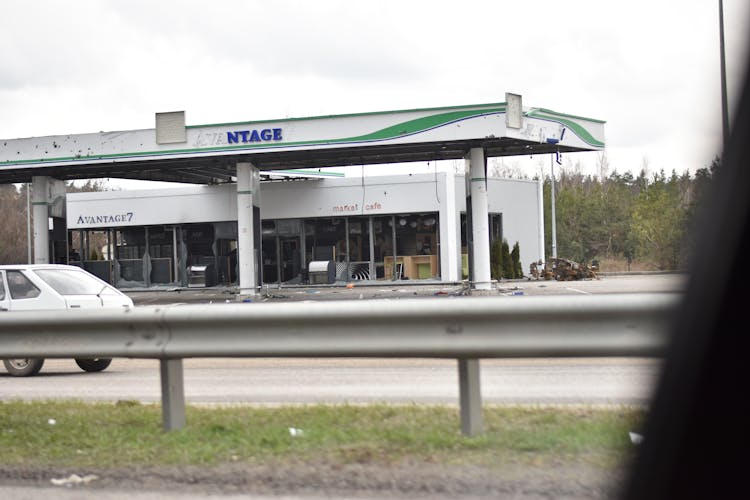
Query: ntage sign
<point>245,136</point>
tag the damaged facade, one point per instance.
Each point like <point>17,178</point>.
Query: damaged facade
<point>160,237</point>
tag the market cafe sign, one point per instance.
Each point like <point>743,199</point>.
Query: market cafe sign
<point>262,135</point>
<point>354,207</point>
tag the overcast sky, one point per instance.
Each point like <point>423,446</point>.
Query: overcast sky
<point>649,68</point>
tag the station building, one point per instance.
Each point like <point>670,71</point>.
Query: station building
<point>310,230</point>
<point>315,228</point>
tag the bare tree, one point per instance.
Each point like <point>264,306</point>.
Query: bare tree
<point>13,229</point>
<point>13,210</point>
<point>602,165</point>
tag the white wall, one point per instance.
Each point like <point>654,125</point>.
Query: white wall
<point>351,196</point>
<point>279,200</point>
<point>152,207</point>
<point>517,201</point>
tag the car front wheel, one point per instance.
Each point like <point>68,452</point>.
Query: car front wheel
<point>93,364</point>
<point>19,367</point>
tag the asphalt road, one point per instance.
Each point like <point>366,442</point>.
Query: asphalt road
<point>351,381</point>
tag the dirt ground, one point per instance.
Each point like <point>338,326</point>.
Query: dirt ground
<point>413,481</point>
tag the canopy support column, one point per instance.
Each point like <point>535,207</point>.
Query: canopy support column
<point>480,241</point>
<point>40,210</point>
<point>450,231</point>
<point>248,228</point>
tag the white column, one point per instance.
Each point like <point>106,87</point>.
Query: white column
<point>248,192</point>
<point>40,209</point>
<point>479,220</point>
<point>450,244</point>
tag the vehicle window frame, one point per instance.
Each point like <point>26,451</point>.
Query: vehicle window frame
<point>3,294</point>
<point>11,286</point>
<point>59,280</point>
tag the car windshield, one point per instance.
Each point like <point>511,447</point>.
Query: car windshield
<point>72,282</point>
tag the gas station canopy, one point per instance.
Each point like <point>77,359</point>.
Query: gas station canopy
<point>208,154</point>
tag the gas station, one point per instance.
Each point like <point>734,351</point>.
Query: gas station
<point>236,156</point>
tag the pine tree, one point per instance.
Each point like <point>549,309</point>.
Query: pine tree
<point>507,264</point>
<point>496,260</point>
<point>515,257</point>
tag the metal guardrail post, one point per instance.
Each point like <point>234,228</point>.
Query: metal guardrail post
<point>172,394</point>
<point>470,396</point>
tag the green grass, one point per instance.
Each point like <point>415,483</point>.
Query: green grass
<point>129,433</point>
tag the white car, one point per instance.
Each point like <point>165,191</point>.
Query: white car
<point>38,287</point>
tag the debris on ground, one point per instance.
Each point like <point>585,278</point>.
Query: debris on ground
<point>635,438</point>
<point>562,270</point>
<point>74,479</point>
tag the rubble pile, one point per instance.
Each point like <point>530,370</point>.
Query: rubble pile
<point>562,270</point>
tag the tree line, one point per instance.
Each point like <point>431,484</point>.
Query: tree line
<point>646,220</point>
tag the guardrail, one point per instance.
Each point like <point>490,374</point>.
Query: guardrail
<point>464,328</point>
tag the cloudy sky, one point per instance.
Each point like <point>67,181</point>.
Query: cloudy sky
<point>650,68</point>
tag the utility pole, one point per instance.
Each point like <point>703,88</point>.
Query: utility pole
<point>554,219</point>
<point>552,192</point>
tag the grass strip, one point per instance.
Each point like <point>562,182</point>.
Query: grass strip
<point>74,433</point>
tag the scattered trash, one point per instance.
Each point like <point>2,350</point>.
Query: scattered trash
<point>247,301</point>
<point>52,421</point>
<point>312,291</point>
<point>361,296</point>
<point>74,479</point>
<point>635,438</point>
<point>294,432</point>
<point>517,293</point>
<point>350,285</point>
